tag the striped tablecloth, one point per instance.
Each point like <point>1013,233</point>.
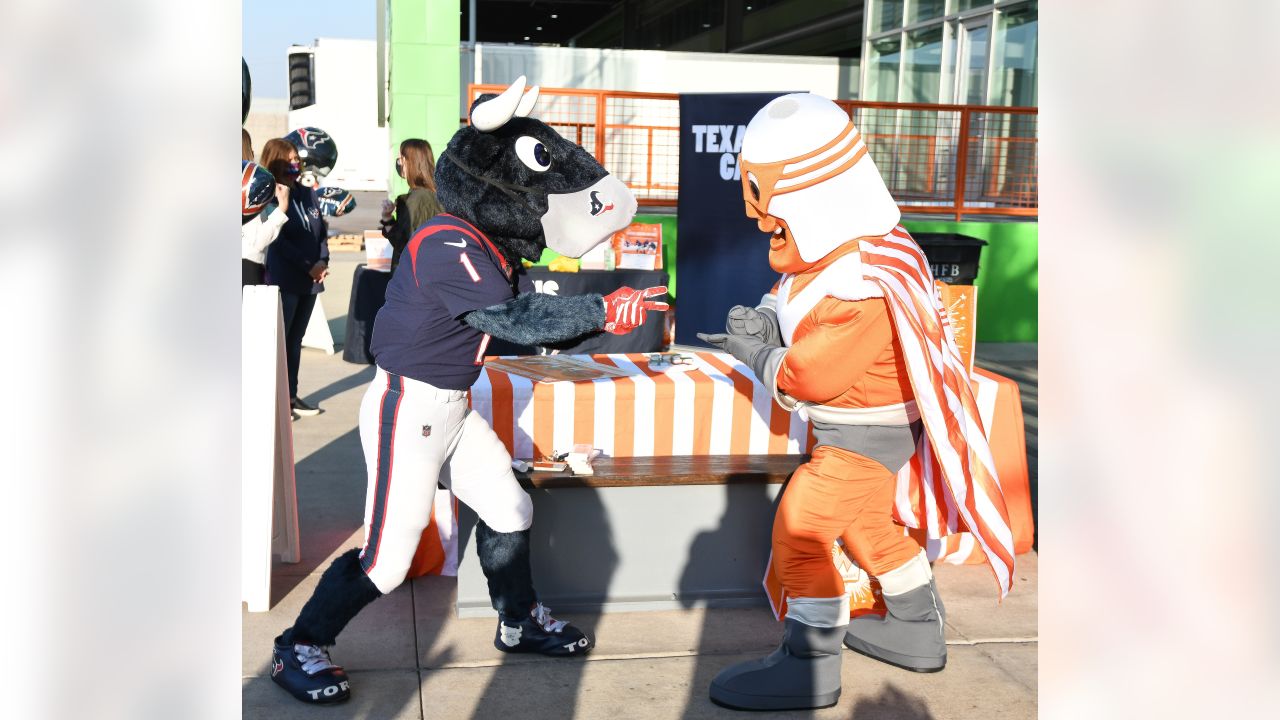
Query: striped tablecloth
<point>717,407</point>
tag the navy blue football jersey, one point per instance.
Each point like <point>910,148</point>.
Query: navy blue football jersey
<point>448,269</point>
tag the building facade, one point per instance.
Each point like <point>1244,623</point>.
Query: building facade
<point>978,52</point>
<point>966,52</point>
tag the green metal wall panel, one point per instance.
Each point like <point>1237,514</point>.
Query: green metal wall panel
<point>424,92</point>
<point>1008,276</point>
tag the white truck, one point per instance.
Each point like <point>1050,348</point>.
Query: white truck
<point>333,85</point>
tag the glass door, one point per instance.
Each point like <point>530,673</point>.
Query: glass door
<point>973,69</point>
<point>973,78</point>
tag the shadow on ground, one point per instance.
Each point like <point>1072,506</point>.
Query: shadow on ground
<point>331,492</point>
<point>583,575</point>
<point>891,704</point>
<point>748,502</point>
<point>359,379</point>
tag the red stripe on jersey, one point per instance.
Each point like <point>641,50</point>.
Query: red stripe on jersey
<point>479,236</point>
<point>470,231</point>
<point>416,241</point>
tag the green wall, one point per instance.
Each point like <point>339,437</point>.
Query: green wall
<point>1008,275</point>
<point>424,72</point>
<point>1007,272</point>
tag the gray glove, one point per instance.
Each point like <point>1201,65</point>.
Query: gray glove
<point>762,324</point>
<point>750,349</point>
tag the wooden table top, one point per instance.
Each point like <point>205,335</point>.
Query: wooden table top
<point>671,470</point>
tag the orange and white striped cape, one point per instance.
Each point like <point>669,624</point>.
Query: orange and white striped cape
<point>953,487</point>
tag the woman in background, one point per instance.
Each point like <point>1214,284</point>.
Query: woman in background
<point>298,260</point>
<point>417,165</point>
<point>259,232</point>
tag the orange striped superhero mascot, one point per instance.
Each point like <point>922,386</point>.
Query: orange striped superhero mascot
<point>855,339</point>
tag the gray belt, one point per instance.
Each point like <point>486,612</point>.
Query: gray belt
<point>890,445</point>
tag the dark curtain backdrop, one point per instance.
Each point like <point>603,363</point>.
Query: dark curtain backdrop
<point>723,258</point>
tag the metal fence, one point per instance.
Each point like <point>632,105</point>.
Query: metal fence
<point>959,160</point>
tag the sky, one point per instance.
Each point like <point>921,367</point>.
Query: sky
<point>269,27</point>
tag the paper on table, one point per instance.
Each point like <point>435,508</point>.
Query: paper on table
<point>377,251</point>
<point>637,261</point>
<point>556,368</point>
<point>593,259</point>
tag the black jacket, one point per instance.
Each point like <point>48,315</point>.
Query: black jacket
<point>303,242</point>
<point>413,210</point>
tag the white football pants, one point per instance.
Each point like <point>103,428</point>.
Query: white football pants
<point>415,435</point>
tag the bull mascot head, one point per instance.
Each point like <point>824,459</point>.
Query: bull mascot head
<point>526,187</point>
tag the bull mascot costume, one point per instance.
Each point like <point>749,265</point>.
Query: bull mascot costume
<point>854,338</point>
<point>511,187</point>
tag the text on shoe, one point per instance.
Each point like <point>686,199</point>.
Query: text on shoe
<point>573,646</point>
<point>329,690</point>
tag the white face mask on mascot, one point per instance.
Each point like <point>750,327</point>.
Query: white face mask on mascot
<point>805,164</point>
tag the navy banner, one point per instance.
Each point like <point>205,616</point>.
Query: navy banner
<point>723,259</point>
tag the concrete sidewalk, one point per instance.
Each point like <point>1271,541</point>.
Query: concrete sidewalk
<point>409,657</point>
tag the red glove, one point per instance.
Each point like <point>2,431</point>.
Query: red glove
<point>624,308</point>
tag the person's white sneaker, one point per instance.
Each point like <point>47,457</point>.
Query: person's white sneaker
<point>302,409</point>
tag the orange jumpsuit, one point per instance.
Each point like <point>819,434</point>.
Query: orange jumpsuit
<point>843,354</point>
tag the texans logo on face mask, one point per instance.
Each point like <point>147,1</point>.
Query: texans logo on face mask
<point>598,207</point>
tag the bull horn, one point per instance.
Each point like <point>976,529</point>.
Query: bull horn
<point>527,102</point>
<point>495,112</point>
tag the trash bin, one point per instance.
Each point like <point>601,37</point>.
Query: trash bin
<point>952,258</point>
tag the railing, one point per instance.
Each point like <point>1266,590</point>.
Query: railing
<point>960,160</point>
<point>953,159</point>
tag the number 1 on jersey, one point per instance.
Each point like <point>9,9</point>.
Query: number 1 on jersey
<point>471,270</point>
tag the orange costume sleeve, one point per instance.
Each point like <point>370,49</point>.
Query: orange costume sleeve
<point>834,347</point>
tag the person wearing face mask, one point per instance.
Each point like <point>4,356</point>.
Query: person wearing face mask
<point>298,260</point>
<point>257,234</point>
<point>417,165</point>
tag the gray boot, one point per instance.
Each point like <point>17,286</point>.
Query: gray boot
<point>909,636</point>
<point>803,673</point>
